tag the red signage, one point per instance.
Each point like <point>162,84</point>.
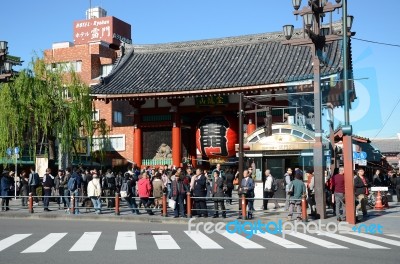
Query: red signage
<point>108,29</point>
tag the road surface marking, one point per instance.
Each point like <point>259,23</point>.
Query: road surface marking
<point>202,240</point>
<point>87,242</point>
<point>159,232</point>
<point>315,240</point>
<point>393,235</point>
<point>165,242</point>
<point>126,241</point>
<point>241,240</point>
<point>377,238</point>
<point>45,243</point>
<point>352,241</point>
<point>11,240</point>
<point>279,240</point>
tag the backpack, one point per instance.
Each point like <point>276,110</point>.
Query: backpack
<point>274,185</point>
<point>124,190</point>
<point>72,184</point>
<point>110,182</point>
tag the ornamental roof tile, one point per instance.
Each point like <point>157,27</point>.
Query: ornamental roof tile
<point>243,61</point>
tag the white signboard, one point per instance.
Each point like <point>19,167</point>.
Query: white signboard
<point>41,165</point>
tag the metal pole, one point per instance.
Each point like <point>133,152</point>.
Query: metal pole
<point>345,66</point>
<point>15,176</point>
<point>318,147</point>
<point>347,137</point>
<point>240,137</point>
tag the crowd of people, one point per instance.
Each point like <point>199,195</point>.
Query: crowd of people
<point>145,189</point>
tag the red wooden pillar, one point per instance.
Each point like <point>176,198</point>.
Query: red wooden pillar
<point>137,146</point>
<point>349,179</point>
<point>176,141</point>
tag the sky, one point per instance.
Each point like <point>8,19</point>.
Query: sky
<point>30,27</point>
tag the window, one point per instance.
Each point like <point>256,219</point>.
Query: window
<point>75,66</point>
<point>105,70</point>
<point>117,117</point>
<point>96,115</point>
<point>111,143</point>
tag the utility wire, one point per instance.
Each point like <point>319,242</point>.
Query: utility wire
<point>387,119</point>
<point>376,42</point>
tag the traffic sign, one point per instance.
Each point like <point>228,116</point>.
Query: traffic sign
<point>363,155</point>
<point>9,151</point>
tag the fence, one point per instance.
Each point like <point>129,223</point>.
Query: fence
<point>165,211</point>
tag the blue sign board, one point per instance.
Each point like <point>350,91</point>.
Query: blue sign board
<point>363,155</point>
<point>16,150</point>
<point>9,151</point>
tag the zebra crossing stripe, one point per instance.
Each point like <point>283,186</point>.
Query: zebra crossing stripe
<point>87,242</point>
<point>45,243</point>
<point>240,240</point>
<point>377,238</point>
<point>315,240</point>
<point>126,241</point>
<point>279,240</point>
<point>202,240</point>
<point>352,241</point>
<point>393,235</point>
<point>165,242</point>
<point>11,240</point>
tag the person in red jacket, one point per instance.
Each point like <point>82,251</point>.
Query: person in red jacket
<point>144,191</point>
<point>338,189</point>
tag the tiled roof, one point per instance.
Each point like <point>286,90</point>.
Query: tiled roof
<point>245,61</point>
<point>387,145</point>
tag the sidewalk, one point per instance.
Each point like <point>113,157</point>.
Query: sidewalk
<point>388,218</point>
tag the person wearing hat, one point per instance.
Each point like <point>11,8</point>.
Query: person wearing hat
<point>6,183</point>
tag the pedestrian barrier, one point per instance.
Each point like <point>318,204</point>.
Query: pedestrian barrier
<point>164,210</point>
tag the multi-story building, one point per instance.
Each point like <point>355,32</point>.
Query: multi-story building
<point>92,54</point>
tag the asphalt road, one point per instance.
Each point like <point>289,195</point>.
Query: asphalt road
<point>74,241</point>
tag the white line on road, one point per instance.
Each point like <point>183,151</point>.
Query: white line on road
<point>393,235</point>
<point>202,240</point>
<point>315,240</point>
<point>279,240</point>
<point>159,232</point>
<point>45,243</point>
<point>126,241</point>
<point>240,240</point>
<point>377,238</point>
<point>165,242</point>
<point>87,242</point>
<point>11,240</point>
<point>352,241</point>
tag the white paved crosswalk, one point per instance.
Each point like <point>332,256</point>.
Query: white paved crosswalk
<point>126,241</point>
<point>164,240</point>
<point>45,243</point>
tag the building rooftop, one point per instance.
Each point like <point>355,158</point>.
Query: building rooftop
<point>220,65</point>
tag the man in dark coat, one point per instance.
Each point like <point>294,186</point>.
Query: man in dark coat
<point>229,177</point>
<point>218,194</point>
<point>200,190</point>
<point>5,184</point>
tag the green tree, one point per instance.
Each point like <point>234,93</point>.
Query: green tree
<point>43,104</point>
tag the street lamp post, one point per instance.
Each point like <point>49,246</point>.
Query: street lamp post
<point>317,38</point>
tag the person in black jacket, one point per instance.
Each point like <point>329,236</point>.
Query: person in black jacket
<point>48,183</point>
<point>200,190</point>
<point>361,191</point>
<point>229,177</point>
<point>218,194</point>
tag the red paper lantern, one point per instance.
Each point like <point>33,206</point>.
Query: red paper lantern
<point>216,136</point>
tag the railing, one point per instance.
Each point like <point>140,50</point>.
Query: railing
<point>119,207</point>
